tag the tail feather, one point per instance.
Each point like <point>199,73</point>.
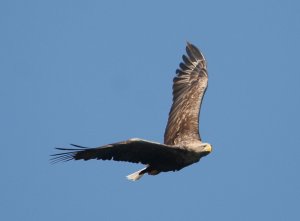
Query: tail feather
<point>136,175</point>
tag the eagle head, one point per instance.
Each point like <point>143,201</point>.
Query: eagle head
<point>206,149</point>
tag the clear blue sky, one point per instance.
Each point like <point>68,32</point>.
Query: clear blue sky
<point>96,72</point>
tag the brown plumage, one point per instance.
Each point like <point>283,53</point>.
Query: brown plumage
<point>182,143</point>
<point>189,87</point>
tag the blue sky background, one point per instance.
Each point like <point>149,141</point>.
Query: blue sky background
<point>96,72</point>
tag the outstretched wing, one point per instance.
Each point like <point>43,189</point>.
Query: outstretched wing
<point>189,87</point>
<point>132,150</point>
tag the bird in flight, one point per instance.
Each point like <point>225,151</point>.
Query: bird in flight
<point>182,145</point>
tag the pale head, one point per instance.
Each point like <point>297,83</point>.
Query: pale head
<point>206,148</point>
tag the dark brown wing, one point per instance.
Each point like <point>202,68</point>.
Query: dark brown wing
<point>189,87</point>
<point>133,150</point>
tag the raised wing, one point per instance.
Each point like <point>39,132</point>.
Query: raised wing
<point>132,150</point>
<point>189,87</point>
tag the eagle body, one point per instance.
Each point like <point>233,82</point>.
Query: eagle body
<point>182,142</point>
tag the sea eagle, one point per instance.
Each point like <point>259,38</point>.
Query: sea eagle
<point>182,142</point>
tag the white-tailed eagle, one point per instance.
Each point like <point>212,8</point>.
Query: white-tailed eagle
<point>182,142</point>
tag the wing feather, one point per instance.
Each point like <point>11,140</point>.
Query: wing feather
<point>189,86</point>
<point>132,150</point>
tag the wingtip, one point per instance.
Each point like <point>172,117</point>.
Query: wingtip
<point>194,51</point>
<point>189,44</point>
<point>76,145</point>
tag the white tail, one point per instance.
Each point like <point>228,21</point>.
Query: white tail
<point>136,175</point>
